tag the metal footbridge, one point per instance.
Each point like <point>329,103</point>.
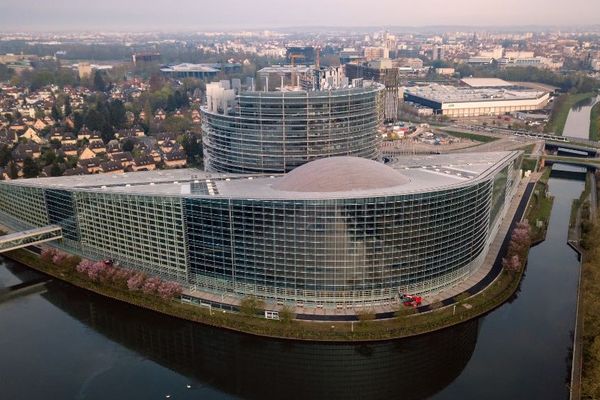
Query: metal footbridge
<point>17,240</point>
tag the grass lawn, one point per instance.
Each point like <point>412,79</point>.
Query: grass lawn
<point>471,136</point>
<point>590,298</point>
<point>407,323</point>
<point>540,207</point>
<point>560,111</point>
<point>528,149</point>
<point>595,122</point>
<point>529,164</point>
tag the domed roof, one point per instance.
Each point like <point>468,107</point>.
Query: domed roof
<point>340,174</point>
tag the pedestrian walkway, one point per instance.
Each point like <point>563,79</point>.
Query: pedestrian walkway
<point>517,206</point>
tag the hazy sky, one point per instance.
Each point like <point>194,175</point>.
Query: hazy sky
<point>216,14</point>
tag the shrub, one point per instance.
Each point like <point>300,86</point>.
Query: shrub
<point>151,285</point>
<point>71,262</point>
<point>136,281</point>
<point>83,266</point>
<point>404,311</point>
<point>169,290</point>
<point>48,254</point>
<point>286,314</point>
<point>512,264</point>
<point>58,258</point>
<point>365,315</point>
<point>95,271</point>
<point>121,276</point>
<point>250,306</point>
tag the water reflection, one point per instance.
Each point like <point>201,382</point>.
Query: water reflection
<point>256,368</point>
<point>578,120</point>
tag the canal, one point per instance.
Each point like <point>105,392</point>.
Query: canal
<point>578,120</point>
<point>65,343</point>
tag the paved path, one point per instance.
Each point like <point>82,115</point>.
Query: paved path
<point>492,265</point>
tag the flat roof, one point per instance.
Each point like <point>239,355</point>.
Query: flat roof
<point>452,94</point>
<point>423,173</point>
<point>187,67</point>
<point>486,82</point>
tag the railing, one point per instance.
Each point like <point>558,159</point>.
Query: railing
<point>30,237</point>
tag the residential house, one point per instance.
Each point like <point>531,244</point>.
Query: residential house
<point>175,159</point>
<point>39,124</point>
<point>125,159</point>
<point>69,138</point>
<point>90,165</point>
<point>196,117</point>
<point>167,146</point>
<point>164,136</point>
<point>97,147</point>
<point>31,135</point>
<point>144,163</point>
<point>68,150</point>
<point>160,115</point>
<point>87,154</point>
<point>112,167</point>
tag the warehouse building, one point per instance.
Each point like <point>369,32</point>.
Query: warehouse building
<point>456,102</point>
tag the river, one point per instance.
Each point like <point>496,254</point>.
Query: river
<point>65,343</point>
<point>578,120</point>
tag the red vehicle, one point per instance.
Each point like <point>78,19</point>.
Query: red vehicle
<point>410,300</point>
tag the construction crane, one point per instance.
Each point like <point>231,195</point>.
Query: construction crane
<point>293,58</point>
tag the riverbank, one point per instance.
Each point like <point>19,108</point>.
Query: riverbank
<point>406,324</point>
<point>498,286</point>
<point>590,302</point>
<point>540,208</point>
<point>560,111</point>
<point>595,122</point>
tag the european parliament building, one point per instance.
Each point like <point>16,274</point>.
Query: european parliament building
<point>332,233</point>
<point>277,131</point>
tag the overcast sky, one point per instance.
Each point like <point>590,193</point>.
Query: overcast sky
<point>124,15</point>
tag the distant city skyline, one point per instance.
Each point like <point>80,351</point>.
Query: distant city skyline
<point>136,15</point>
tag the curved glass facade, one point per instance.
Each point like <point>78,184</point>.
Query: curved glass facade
<point>327,250</point>
<point>275,132</point>
<point>337,251</point>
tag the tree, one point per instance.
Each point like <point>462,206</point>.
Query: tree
<point>56,170</point>
<point>6,73</point>
<point>30,168</point>
<point>5,155</point>
<point>136,281</point>
<point>68,108</point>
<point>118,114</point>
<point>55,113</point>
<point>286,314</point>
<point>177,124</point>
<point>13,172</point>
<point>94,120</point>
<point>48,157</point>
<point>128,145</point>
<point>99,82</point>
<point>78,121</point>
<point>192,147</point>
<point>251,306</point>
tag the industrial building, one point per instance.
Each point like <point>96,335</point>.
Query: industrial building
<point>277,131</point>
<point>458,102</point>
<point>331,235</point>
